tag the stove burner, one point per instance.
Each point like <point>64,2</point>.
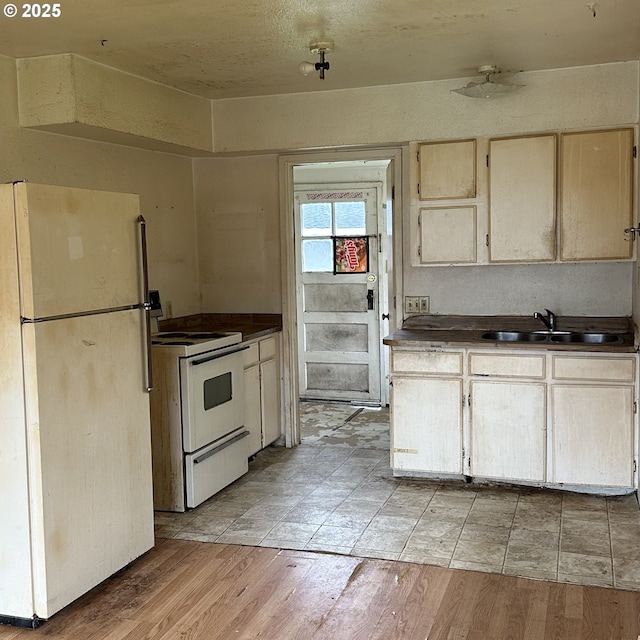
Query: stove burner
<point>185,343</point>
<point>175,334</point>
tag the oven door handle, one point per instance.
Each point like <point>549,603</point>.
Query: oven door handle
<point>224,445</point>
<point>216,356</point>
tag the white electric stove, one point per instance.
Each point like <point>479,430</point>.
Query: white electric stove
<point>199,441</point>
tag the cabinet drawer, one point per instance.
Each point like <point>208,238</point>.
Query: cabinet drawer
<point>481,364</point>
<point>251,355</point>
<point>267,348</point>
<point>427,362</point>
<point>592,368</point>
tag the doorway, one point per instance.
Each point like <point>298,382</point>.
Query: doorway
<point>334,322</point>
<point>339,267</point>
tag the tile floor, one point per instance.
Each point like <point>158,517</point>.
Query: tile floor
<point>335,493</point>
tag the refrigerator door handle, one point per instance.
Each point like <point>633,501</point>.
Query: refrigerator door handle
<point>146,305</point>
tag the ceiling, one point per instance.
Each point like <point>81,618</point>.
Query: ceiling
<point>234,48</point>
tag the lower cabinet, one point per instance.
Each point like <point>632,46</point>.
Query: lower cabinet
<point>592,409</point>
<point>262,392</point>
<point>535,417</point>
<point>427,425</point>
<point>508,430</point>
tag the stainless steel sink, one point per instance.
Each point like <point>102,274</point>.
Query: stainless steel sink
<point>514,336</point>
<point>560,336</point>
<point>586,338</point>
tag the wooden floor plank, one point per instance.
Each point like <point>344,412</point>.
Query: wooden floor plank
<point>196,591</point>
<point>260,597</point>
<point>359,607</point>
<point>210,594</point>
<point>312,600</point>
<point>413,614</point>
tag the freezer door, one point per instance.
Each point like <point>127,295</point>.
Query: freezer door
<point>89,445</point>
<point>78,250</point>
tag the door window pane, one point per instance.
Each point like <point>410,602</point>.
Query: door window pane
<point>317,255</point>
<point>350,219</point>
<point>316,219</point>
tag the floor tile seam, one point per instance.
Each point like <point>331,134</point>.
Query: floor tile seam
<point>506,550</point>
<point>417,522</point>
<point>614,578</point>
<point>560,529</point>
<point>455,547</point>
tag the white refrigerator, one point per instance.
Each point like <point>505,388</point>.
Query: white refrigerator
<point>75,451</point>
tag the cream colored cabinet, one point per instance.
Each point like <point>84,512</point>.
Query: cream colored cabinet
<point>508,416</point>
<point>596,200</point>
<point>262,392</point>
<point>447,235</point>
<point>466,211</point>
<point>426,412</point>
<point>444,233</point>
<point>522,199</point>
<point>592,408</point>
<point>447,170</point>
<point>559,419</point>
<point>508,436</point>
<point>270,401</point>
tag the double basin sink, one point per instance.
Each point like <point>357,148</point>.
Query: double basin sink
<point>571,337</point>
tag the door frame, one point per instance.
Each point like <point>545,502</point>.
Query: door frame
<point>290,387</point>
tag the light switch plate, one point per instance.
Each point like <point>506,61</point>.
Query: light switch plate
<point>411,304</point>
<point>424,304</point>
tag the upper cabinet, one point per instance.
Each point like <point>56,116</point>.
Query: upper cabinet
<point>447,170</point>
<point>522,199</point>
<point>596,199</point>
<point>537,198</point>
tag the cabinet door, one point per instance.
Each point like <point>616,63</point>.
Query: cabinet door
<point>447,235</point>
<point>596,195</point>
<point>508,430</point>
<point>593,435</point>
<point>426,425</point>
<point>447,170</point>
<point>270,395</point>
<point>522,197</point>
<point>252,409</point>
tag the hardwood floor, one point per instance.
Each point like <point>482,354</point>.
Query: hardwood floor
<point>198,591</point>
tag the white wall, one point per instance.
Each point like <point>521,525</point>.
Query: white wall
<point>598,289</point>
<point>238,223</point>
<point>581,97</point>
<point>164,182</point>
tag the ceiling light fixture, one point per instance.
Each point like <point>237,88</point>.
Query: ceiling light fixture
<point>320,48</point>
<point>487,88</point>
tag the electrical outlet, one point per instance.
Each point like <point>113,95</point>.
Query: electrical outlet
<point>411,304</point>
<point>169,313</point>
<point>424,304</point>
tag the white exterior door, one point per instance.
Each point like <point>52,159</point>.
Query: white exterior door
<point>338,282</point>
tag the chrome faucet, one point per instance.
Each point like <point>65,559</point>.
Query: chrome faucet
<point>549,321</point>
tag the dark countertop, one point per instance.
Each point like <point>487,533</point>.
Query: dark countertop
<point>251,325</point>
<point>466,331</point>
